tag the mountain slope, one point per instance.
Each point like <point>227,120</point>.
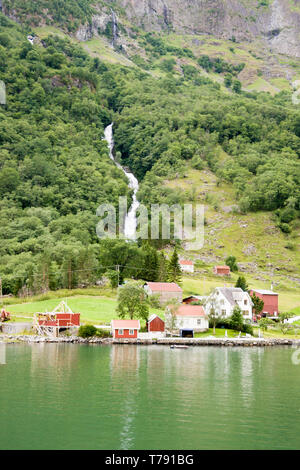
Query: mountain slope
<point>262,34</point>
<point>175,120</point>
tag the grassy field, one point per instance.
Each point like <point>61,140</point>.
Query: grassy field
<point>98,305</point>
<point>93,309</point>
<point>266,255</point>
<point>220,333</point>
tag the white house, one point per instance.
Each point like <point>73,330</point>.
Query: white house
<point>186,265</point>
<point>191,317</point>
<point>225,299</point>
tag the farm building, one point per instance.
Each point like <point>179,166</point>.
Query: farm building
<point>155,323</point>
<point>61,317</point>
<point>193,298</point>
<point>125,329</point>
<point>187,318</point>
<point>270,300</point>
<point>222,270</point>
<point>165,291</point>
<point>224,299</point>
<point>187,265</point>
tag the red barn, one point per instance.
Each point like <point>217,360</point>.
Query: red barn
<point>222,270</point>
<point>270,300</point>
<point>125,329</point>
<point>155,323</point>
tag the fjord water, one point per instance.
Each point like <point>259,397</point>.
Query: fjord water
<point>56,396</point>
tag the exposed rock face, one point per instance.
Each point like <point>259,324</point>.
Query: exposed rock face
<point>275,21</point>
<point>278,23</point>
<point>98,23</point>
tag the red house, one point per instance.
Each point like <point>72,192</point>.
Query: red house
<point>270,300</point>
<point>155,323</point>
<point>222,270</point>
<point>125,329</point>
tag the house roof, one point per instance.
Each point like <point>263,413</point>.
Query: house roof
<point>197,297</point>
<point>164,287</point>
<point>264,292</point>
<point>187,310</point>
<point>186,262</point>
<point>223,267</point>
<point>125,324</point>
<point>152,317</point>
<point>232,294</point>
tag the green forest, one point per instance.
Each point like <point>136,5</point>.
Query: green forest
<point>68,13</point>
<point>55,168</point>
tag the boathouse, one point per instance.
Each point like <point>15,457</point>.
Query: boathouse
<point>125,329</point>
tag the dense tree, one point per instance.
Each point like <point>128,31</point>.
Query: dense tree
<point>231,262</point>
<point>236,319</point>
<point>174,270</point>
<point>132,302</point>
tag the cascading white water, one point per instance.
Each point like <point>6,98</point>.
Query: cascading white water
<point>114,27</point>
<point>130,219</point>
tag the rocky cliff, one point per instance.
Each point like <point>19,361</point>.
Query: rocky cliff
<point>277,21</point>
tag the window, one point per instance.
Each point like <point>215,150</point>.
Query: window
<point>120,332</point>
<point>222,302</point>
<point>223,312</point>
<point>198,321</point>
<point>245,313</point>
<point>131,332</point>
<point>245,302</point>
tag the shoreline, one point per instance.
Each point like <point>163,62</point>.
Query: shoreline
<point>226,342</point>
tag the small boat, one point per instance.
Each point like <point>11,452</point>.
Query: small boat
<point>178,346</point>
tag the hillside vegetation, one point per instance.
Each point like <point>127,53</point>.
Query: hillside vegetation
<point>171,129</point>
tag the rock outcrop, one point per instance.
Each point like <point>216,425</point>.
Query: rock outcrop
<point>277,21</point>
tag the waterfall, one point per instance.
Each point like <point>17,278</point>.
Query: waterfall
<point>114,27</point>
<point>130,219</point>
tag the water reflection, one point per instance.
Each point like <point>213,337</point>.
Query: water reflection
<point>137,397</point>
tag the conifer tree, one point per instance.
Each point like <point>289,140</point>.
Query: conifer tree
<point>242,283</point>
<point>150,269</point>
<point>162,268</point>
<point>174,270</point>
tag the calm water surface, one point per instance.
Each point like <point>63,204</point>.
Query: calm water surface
<point>127,397</point>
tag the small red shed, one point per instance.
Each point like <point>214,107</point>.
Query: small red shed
<point>155,323</point>
<point>125,329</point>
<point>270,300</point>
<point>222,270</point>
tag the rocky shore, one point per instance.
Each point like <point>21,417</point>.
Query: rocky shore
<point>227,342</point>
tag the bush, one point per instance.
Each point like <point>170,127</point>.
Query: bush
<point>85,331</point>
<point>285,228</point>
<point>103,333</point>
<point>226,324</point>
<point>231,262</point>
